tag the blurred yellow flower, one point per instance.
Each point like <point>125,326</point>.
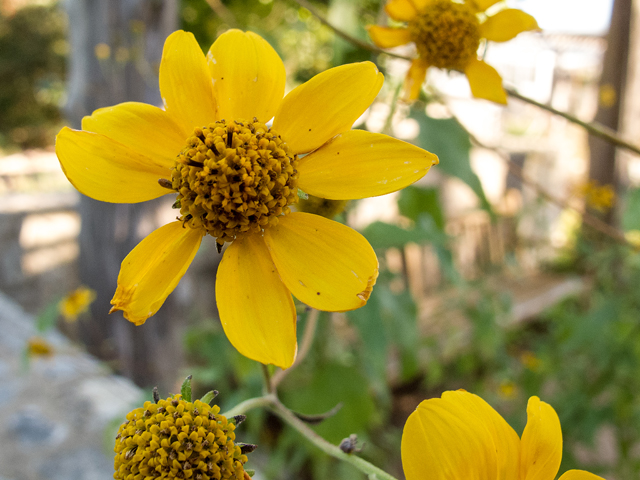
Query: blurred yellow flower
<point>633,237</point>
<point>76,303</point>
<point>236,178</point>
<point>39,347</point>
<point>599,197</point>
<point>459,436</point>
<point>508,390</point>
<point>447,34</point>
<point>530,361</point>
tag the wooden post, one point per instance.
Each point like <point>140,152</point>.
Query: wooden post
<point>602,166</point>
<point>116,46</point>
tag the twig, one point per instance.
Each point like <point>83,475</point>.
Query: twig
<point>287,416</point>
<point>516,170</point>
<point>596,129</point>
<point>305,346</point>
<point>290,419</point>
<point>345,36</point>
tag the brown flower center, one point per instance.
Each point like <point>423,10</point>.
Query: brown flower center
<point>233,178</point>
<point>446,34</point>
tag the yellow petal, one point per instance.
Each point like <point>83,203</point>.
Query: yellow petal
<point>326,105</point>
<point>442,441</point>
<point>402,10</point>
<point>248,76</point>
<point>505,438</point>
<point>185,82</point>
<point>579,475</point>
<point>541,445</point>
<point>359,164</point>
<point>256,309</point>
<point>485,81</point>
<point>106,170</point>
<point>388,37</point>
<point>482,5</point>
<point>143,128</point>
<point>414,79</point>
<point>325,264</point>
<point>153,269</point>
<point>506,24</point>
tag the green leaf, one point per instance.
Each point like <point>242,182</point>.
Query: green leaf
<point>209,396</point>
<point>385,235</point>
<point>631,215</point>
<point>47,319</point>
<point>185,390</point>
<point>415,201</point>
<point>450,141</point>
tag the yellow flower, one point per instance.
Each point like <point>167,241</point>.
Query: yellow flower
<point>76,303</point>
<point>459,436</point>
<point>39,347</point>
<point>235,179</point>
<point>530,361</point>
<point>507,390</point>
<point>447,34</point>
<point>599,197</point>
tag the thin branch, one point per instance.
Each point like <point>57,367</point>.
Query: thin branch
<point>305,346</point>
<point>516,170</point>
<point>268,384</point>
<point>290,419</point>
<point>287,416</point>
<point>250,404</point>
<point>594,128</point>
<point>345,36</point>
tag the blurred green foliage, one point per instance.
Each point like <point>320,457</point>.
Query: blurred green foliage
<point>33,52</point>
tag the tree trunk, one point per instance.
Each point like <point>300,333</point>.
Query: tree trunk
<point>116,46</point>
<point>602,167</point>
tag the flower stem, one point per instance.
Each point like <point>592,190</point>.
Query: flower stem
<point>287,416</point>
<point>290,419</point>
<point>244,407</point>
<point>268,384</point>
<point>594,128</point>
<point>305,346</point>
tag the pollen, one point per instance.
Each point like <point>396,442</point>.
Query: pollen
<point>175,439</point>
<point>446,34</point>
<point>234,178</point>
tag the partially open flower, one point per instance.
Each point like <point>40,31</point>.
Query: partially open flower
<point>175,439</point>
<point>447,34</point>
<point>76,303</point>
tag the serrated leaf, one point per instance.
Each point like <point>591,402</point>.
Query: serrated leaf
<point>185,390</point>
<point>449,140</point>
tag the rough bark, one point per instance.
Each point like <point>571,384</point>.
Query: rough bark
<point>134,31</point>
<point>602,167</point>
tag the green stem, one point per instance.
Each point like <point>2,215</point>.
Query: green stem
<point>290,419</point>
<point>250,404</point>
<point>594,128</point>
<point>268,384</point>
<point>287,416</point>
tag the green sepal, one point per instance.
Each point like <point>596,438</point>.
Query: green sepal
<point>302,195</point>
<point>209,396</point>
<point>185,390</point>
<point>251,472</point>
<point>176,204</point>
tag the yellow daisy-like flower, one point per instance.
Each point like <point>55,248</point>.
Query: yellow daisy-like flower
<point>76,303</point>
<point>39,347</point>
<point>235,179</point>
<point>460,436</point>
<point>447,34</point>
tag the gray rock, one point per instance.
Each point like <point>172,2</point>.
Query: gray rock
<point>80,464</point>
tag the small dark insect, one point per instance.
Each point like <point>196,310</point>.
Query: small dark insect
<point>350,444</point>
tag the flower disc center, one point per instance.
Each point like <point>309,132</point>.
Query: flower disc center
<point>233,178</point>
<point>446,34</point>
